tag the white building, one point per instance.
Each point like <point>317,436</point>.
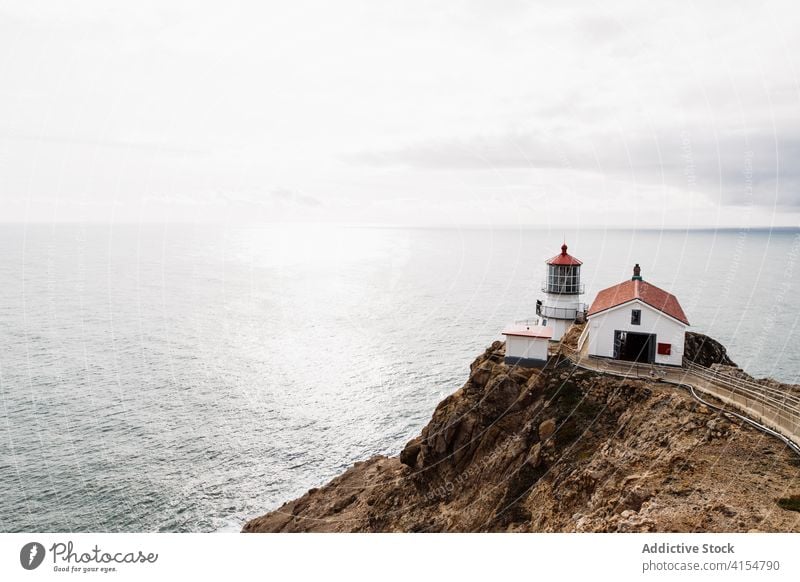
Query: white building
<point>526,343</point>
<point>562,288</point>
<point>637,321</point>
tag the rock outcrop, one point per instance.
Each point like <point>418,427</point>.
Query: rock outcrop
<point>562,449</point>
<point>705,351</point>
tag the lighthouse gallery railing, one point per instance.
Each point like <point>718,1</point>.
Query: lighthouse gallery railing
<point>577,312</point>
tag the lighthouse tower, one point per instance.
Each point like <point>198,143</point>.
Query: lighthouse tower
<point>562,288</point>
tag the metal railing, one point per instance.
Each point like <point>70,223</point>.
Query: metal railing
<point>768,395</point>
<point>776,409</point>
<point>582,339</point>
<point>577,312</point>
<point>562,288</point>
<point>528,322</point>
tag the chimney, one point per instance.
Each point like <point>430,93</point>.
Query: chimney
<point>637,273</point>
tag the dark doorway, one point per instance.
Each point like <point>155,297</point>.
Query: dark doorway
<point>635,347</point>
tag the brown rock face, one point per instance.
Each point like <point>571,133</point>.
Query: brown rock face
<point>705,351</point>
<point>561,449</point>
<point>547,428</point>
<point>409,454</point>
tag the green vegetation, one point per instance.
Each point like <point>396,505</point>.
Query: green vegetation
<point>792,503</point>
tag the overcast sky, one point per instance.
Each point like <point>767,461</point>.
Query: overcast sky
<point>430,113</point>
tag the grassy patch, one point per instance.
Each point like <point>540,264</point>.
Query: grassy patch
<point>792,503</point>
<point>569,432</point>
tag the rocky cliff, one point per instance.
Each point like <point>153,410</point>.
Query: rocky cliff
<point>562,449</point>
<point>705,351</point>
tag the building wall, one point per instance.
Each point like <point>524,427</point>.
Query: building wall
<point>560,326</point>
<point>667,330</point>
<point>557,300</point>
<point>533,348</point>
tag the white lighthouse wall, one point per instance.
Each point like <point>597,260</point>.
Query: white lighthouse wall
<point>559,301</point>
<point>667,330</point>
<point>559,326</point>
<point>533,349</point>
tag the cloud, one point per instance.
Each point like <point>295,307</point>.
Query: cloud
<point>356,111</point>
<point>285,197</point>
<point>145,146</point>
<point>755,168</point>
<point>294,197</point>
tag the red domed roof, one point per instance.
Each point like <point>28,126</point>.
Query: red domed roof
<point>563,258</point>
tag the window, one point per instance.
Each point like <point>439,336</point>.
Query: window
<point>636,317</point>
<point>563,279</point>
<point>664,349</point>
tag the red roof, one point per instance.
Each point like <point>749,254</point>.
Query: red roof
<point>644,292</point>
<point>528,330</point>
<point>564,258</point>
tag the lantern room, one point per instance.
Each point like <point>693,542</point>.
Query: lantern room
<point>563,274</point>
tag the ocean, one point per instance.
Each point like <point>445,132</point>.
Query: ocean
<point>189,377</point>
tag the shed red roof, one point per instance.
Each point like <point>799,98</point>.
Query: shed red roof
<point>563,258</point>
<point>641,290</point>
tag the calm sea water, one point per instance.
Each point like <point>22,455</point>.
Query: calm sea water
<point>179,378</point>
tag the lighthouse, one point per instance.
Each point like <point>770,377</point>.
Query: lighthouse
<point>562,289</point>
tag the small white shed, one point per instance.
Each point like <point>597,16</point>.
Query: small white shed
<point>526,344</point>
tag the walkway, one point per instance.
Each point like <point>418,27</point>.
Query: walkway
<point>773,410</point>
